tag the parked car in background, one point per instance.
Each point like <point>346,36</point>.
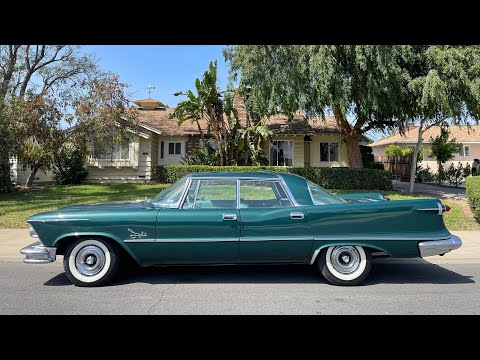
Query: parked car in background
<point>240,218</point>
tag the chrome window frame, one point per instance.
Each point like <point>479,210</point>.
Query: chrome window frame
<point>275,181</point>
<point>278,179</point>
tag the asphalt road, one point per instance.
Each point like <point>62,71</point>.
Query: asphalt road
<point>395,287</point>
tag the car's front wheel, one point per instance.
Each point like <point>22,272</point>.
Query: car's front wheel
<point>345,264</point>
<point>91,262</point>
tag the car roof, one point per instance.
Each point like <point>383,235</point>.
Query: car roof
<point>237,174</point>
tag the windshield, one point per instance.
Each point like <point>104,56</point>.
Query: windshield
<point>320,196</point>
<point>170,197</point>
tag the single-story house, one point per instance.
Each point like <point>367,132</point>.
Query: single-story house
<point>468,137</point>
<point>304,142</point>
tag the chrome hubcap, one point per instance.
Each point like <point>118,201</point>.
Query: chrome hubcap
<point>345,259</point>
<point>90,260</point>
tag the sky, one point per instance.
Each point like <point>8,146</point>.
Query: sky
<point>168,68</point>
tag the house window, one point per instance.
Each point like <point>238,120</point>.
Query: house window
<point>465,150</point>
<point>117,152</point>
<point>281,153</point>
<point>175,148</point>
<point>162,149</point>
<point>329,151</point>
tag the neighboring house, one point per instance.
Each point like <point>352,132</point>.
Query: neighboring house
<point>468,137</point>
<point>159,141</point>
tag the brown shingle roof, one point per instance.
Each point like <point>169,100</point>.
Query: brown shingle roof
<point>159,120</point>
<point>461,133</point>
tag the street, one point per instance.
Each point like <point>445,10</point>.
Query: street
<point>408,286</point>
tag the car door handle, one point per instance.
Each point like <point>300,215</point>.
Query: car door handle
<point>297,215</point>
<point>229,216</point>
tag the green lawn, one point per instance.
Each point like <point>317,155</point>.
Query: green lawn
<point>16,207</point>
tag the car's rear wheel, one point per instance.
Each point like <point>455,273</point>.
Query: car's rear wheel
<point>345,264</point>
<point>91,262</point>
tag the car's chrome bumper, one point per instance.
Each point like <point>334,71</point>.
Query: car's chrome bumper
<point>37,253</point>
<point>439,247</point>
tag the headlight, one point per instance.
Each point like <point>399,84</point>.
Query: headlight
<point>32,232</point>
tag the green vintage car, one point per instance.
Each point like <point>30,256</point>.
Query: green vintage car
<point>240,218</point>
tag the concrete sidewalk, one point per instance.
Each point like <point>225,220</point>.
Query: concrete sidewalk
<point>12,240</point>
<point>439,191</point>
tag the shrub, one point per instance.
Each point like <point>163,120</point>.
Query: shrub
<point>68,167</point>
<point>331,178</point>
<point>425,175</point>
<point>473,193</point>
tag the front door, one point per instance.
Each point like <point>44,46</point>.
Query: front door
<point>206,227</point>
<point>272,229</point>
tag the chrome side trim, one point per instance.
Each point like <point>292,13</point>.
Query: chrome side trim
<point>139,240</point>
<point>57,220</point>
<point>439,208</point>
<point>377,238</point>
<point>176,240</point>
<point>37,253</point>
<point>439,247</point>
<point>315,254</point>
<point>299,238</point>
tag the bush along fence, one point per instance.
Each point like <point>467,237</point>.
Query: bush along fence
<point>472,185</point>
<point>330,178</point>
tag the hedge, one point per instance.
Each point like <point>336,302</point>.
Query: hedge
<point>330,178</point>
<point>472,185</point>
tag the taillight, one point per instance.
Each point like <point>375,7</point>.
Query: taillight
<point>387,198</point>
<point>447,208</point>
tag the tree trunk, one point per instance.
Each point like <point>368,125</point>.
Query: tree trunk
<point>353,151</point>
<point>31,177</point>
<point>413,165</point>
<point>350,138</point>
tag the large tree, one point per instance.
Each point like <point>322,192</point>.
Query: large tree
<point>364,82</point>
<point>57,85</point>
<point>442,87</point>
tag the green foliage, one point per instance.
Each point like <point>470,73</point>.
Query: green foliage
<point>363,80</point>
<point>472,185</point>
<point>68,168</point>
<point>407,151</point>
<point>236,145</point>
<point>454,175</point>
<point>467,170</point>
<point>205,155</point>
<point>331,178</point>
<point>393,150</point>
<point>443,150</point>
<point>425,175</point>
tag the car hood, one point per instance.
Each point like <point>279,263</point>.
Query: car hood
<point>110,205</point>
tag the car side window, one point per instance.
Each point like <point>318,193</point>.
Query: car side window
<point>216,194</point>
<point>262,194</point>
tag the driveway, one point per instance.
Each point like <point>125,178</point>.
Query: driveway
<point>440,191</point>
